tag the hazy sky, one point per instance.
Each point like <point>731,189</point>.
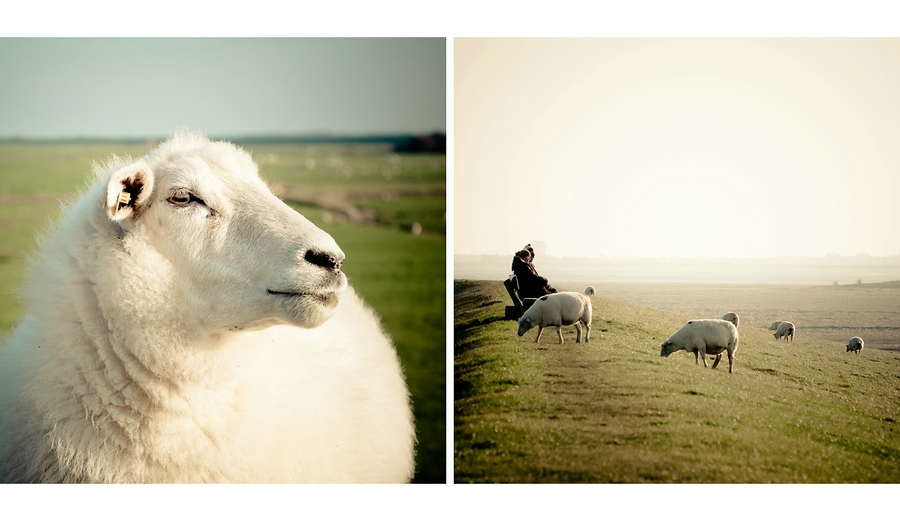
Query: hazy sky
<point>677,147</point>
<point>140,87</point>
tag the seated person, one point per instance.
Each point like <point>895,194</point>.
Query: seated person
<point>531,285</point>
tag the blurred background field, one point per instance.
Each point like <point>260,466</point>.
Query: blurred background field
<point>395,254</point>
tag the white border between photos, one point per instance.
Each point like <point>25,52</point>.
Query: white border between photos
<point>460,18</point>
<point>450,212</point>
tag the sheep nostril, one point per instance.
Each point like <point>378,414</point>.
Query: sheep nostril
<point>325,260</point>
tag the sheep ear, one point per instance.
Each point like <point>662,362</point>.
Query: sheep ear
<point>128,193</point>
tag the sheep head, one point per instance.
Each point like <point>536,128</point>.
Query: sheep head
<point>524,325</point>
<point>238,256</point>
<point>667,348</point>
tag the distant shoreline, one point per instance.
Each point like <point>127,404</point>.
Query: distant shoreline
<point>394,140</point>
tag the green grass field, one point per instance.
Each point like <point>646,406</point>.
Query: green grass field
<point>613,410</point>
<point>401,276</point>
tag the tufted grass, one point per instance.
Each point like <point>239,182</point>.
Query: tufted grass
<point>400,276</point>
<point>614,411</point>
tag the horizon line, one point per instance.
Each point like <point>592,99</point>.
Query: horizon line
<point>833,255</point>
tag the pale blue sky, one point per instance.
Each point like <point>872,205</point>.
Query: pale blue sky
<point>98,87</point>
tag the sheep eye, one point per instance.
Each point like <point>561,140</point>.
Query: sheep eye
<point>182,198</point>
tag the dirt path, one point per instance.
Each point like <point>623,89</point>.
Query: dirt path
<point>341,202</point>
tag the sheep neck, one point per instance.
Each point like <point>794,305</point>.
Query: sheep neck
<point>141,365</point>
<point>149,333</point>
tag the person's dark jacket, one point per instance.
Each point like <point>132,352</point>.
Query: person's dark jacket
<point>531,285</point>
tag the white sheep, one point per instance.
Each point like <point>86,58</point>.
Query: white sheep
<point>774,326</point>
<point>559,309</point>
<point>704,337</point>
<point>734,319</point>
<point>855,344</point>
<point>589,290</point>
<point>785,330</point>
<point>185,325</point>
<point>731,317</point>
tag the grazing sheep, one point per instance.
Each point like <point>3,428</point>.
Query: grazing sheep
<point>774,326</point>
<point>855,344</point>
<point>185,325</point>
<point>559,309</point>
<point>731,317</point>
<point>704,337</point>
<point>785,330</point>
<point>589,290</point>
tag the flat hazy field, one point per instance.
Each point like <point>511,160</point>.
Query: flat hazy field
<point>836,313</point>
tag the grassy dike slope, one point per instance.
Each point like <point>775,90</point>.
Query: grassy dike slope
<point>613,410</point>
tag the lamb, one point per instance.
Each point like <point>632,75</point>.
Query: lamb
<point>559,309</point>
<point>703,337</point>
<point>855,344</point>
<point>785,330</point>
<point>731,317</point>
<point>185,325</point>
<point>589,290</point>
<point>774,326</point>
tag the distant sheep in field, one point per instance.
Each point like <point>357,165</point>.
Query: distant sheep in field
<point>185,325</point>
<point>704,337</point>
<point>589,290</point>
<point>774,326</point>
<point>565,308</point>
<point>731,317</point>
<point>786,331</point>
<point>855,344</point>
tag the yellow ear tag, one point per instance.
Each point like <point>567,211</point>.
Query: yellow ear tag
<point>124,199</point>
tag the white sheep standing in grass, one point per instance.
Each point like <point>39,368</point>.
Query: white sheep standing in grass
<point>731,317</point>
<point>785,330</point>
<point>589,290</point>
<point>855,344</point>
<point>185,325</point>
<point>559,309</point>
<point>734,319</point>
<point>704,337</point>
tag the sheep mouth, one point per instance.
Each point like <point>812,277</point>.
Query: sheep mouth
<point>328,299</point>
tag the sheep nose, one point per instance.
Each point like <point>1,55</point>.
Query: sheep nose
<point>324,259</point>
